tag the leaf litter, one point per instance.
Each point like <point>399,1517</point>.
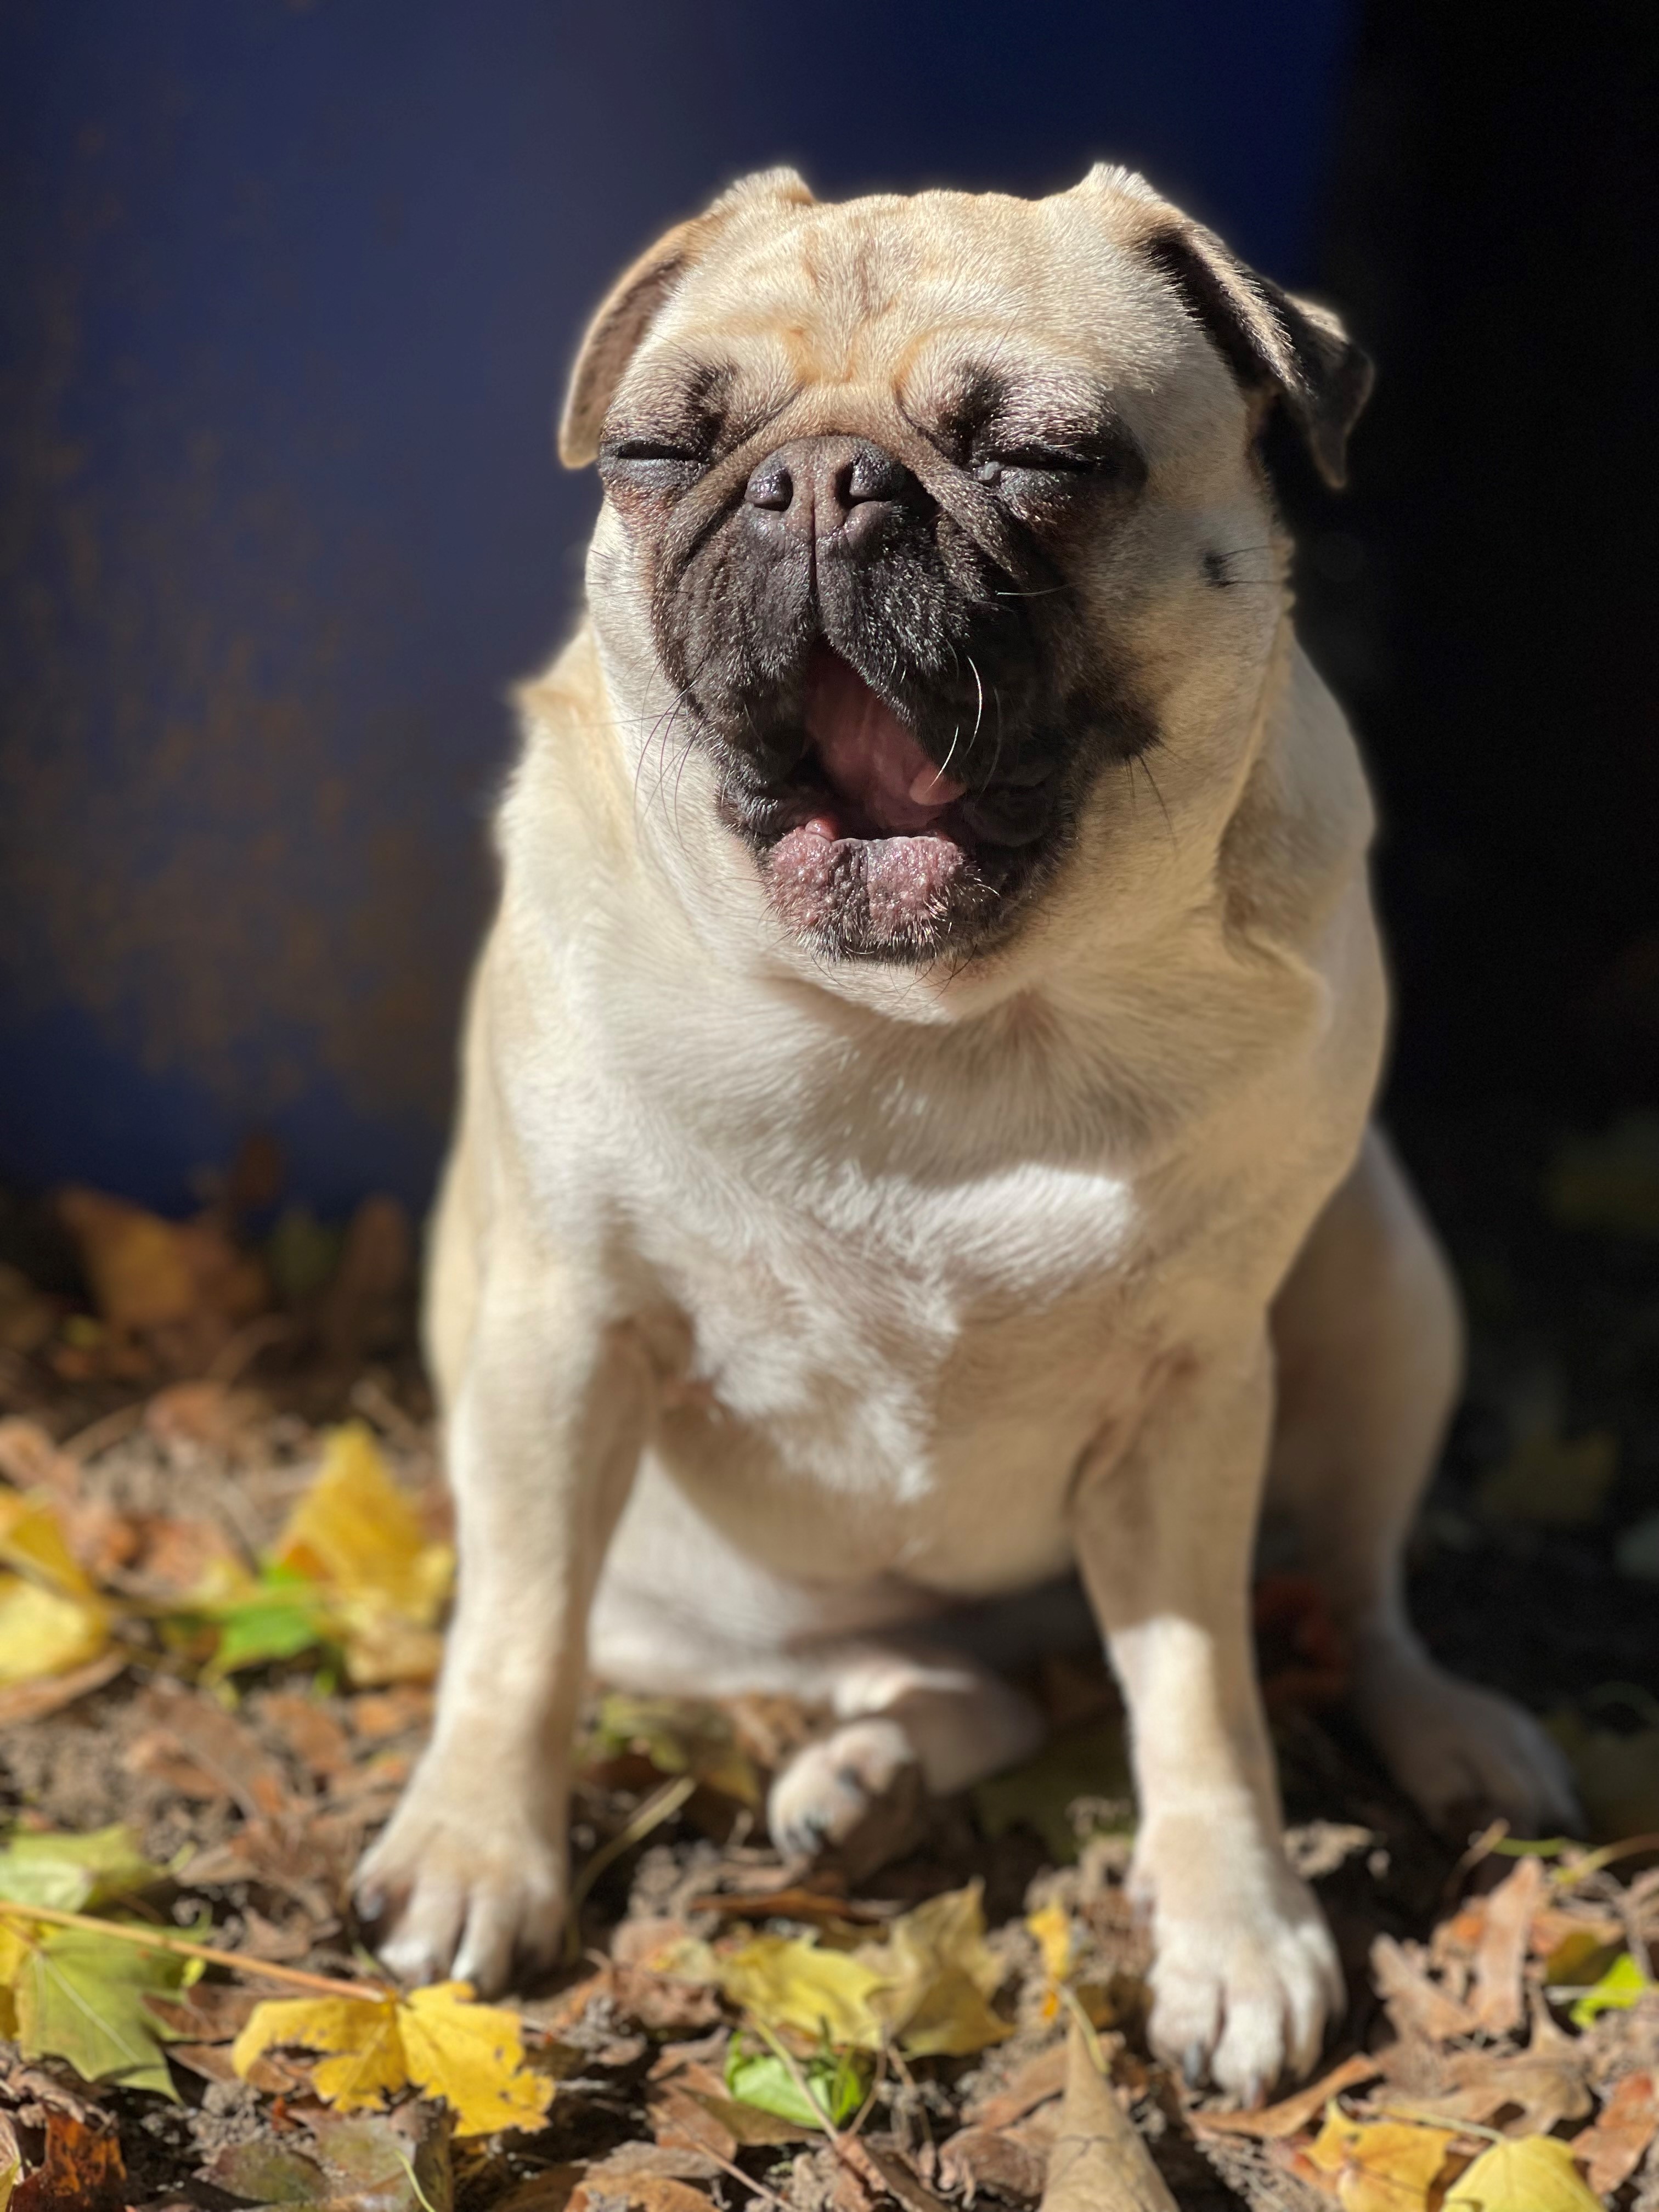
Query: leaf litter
<point>224,1560</point>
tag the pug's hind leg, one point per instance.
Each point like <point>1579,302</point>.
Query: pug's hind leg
<point>544,1436</point>
<point>906,1721</point>
<point>1369,1344</point>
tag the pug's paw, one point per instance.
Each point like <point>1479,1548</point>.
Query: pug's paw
<point>860,1790</point>
<point>464,1885</point>
<point>1245,1976</point>
<point>1456,1750</point>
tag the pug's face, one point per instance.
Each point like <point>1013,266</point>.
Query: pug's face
<point>923,511</point>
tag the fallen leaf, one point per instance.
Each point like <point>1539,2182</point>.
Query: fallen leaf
<point>1613,2148</point>
<point>355,1533</point>
<point>34,1701</point>
<point>980,2160</point>
<point>1619,1988</point>
<point>74,1874</point>
<point>180,1288</point>
<point>641,2192</point>
<point>359,1540</point>
<point>1536,2174</point>
<point>80,1996</point>
<point>52,1618</point>
<point>835,2084</point>
<point>267,2173</point>
<point>1496,1999</point>
<point>274,1614</point>
<point>1379,2165</point>
<point>352,2162</point>
<point>82,2171</point>
<point>787,1982</point>
<point>310,1731</point>
<point>436,2040</point>
<point>1078,1785</point>
<point>678,1735</point>
<point>1416,2005</point>
<point>228,1758</point>
<point>1097,2159</point>
<point>1550,1482</point>
<point>937,1977</point>
<point>1034,2083</point>
<point>1274,2122</point>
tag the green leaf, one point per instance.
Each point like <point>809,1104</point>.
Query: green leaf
<point>80,1996</point>
<point>75,1873</point>
<point>279,1616</point>
<point>1617,1989</point>
<point>762,2078</point>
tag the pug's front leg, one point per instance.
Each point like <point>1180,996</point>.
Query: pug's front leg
<point>544,1436</point>
<point>1245,1974</point>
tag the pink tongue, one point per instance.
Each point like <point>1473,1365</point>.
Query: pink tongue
<point>869,755</point>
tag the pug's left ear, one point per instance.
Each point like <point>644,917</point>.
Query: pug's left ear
<point>1277,345</point>
<point>640,292</point>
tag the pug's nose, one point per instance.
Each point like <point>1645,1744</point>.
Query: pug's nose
<point>824,487</point>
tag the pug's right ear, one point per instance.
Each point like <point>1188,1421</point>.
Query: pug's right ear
<point>638,296</point>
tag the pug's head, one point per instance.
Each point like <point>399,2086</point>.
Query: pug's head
<point>928,521</point>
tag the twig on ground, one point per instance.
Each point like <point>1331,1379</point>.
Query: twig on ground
<point>156,1938</point>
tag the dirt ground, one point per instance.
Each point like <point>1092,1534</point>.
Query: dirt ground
<point>225,1696</point>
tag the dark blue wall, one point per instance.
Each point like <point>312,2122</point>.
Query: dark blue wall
<point>287,294</point>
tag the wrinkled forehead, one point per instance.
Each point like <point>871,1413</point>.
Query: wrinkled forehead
<point>910,294</point>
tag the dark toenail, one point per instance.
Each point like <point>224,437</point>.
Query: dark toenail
<point>1193,2065</point>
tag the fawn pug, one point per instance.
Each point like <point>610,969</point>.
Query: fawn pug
<point>916,1134</point>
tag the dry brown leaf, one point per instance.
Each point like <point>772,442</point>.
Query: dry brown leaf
<point>1098,2163</point>
<point>641,2192</point>
<point>221,1750</point>
<point>33,1701</point>
<point>982,2158</point>
<point>1031,2085</point>
<point>1292,2114</point>
<point>1414,2004</point>
<point>309,1730</point>
<point>178,1289</point>
<point>82,2172</point>
<point>1498,1999</point>
<point>1613,2149</point>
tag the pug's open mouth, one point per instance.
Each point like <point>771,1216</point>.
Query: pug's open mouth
<point>870,849</point>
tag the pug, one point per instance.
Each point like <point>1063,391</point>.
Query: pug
<point>916,1141</point>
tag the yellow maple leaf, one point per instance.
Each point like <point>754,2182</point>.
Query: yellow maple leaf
<point>926,1985</point>
<point>788,1983</point>
<point>52,1618</point>
<point>437,2041</point>
<point>1535,2174</point>
<point>938,1976</point>
<point>472,2056</point>
<point>1380,2165</point>
<point>357,1537</point>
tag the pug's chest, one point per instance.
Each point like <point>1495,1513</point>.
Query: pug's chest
<point>880,1334</point>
